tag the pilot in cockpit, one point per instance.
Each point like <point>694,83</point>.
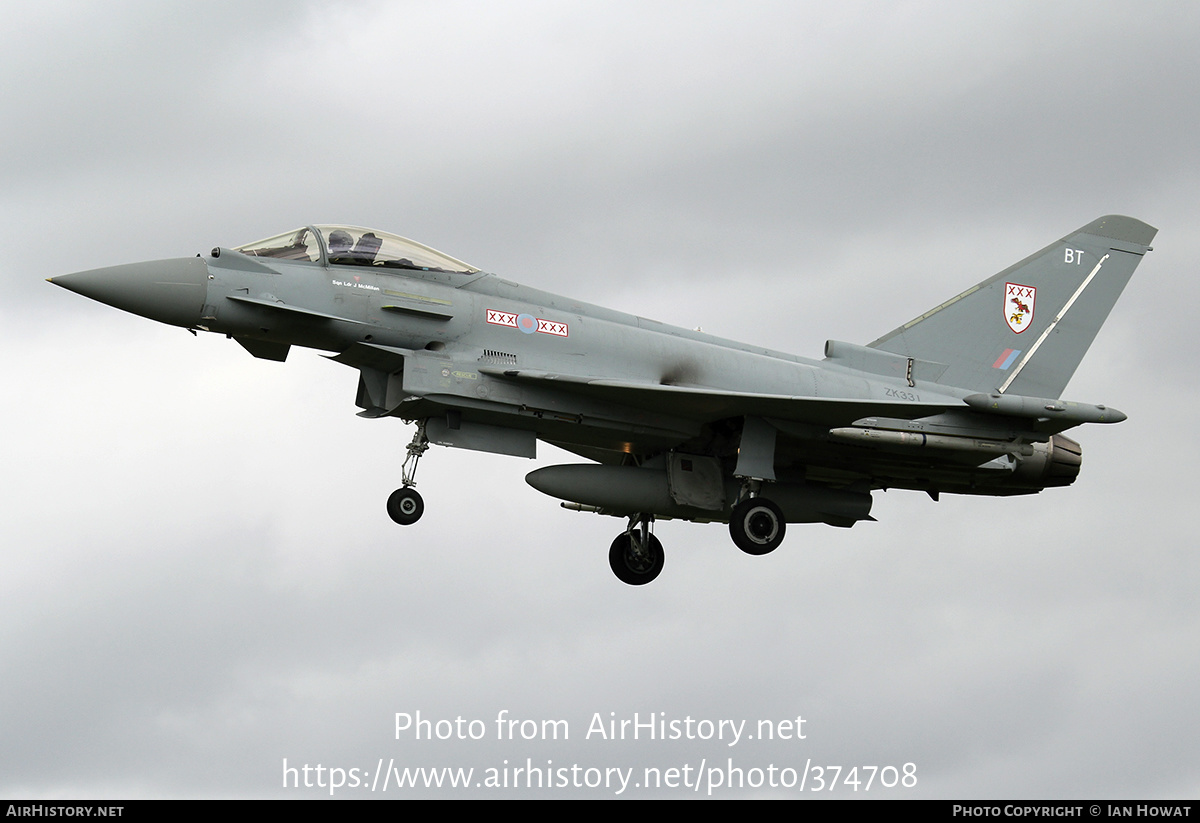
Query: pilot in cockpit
<point>340,243</point>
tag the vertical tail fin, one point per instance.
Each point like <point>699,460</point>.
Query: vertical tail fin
<point>1026,329</point>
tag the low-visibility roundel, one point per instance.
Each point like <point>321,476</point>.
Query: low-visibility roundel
<point>527,323</point>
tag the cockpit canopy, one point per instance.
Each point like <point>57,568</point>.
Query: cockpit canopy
<point>354,246</point>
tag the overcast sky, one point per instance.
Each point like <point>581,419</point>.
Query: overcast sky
<point>200,581</point>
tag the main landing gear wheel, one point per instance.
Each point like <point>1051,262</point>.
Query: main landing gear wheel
<point>633,564</point>
<point>756,526</point>
<point>405,506</point>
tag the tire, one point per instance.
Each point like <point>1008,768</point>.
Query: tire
<point>405,506</point>
<point>629,567</point>
<point>757,526</point>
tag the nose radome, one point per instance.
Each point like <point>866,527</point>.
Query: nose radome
<point>169,291</point>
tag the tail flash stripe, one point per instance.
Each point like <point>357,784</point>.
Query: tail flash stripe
<point>1006,359</point>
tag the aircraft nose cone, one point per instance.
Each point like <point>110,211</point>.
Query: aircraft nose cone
<point>169,291</point>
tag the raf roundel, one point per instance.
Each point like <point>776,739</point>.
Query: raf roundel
<point>527,323</point>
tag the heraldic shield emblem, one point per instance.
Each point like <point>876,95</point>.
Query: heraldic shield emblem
<point>1018,306</point>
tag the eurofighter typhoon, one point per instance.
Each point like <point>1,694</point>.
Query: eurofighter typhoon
<point>674,423</point>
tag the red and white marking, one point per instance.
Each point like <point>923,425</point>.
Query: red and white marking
<point>550,327</point>
<point>507,318</point>
<point>501,318</point>
<point>1018,306</point>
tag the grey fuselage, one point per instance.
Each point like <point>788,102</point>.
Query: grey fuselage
<point>488,364</point>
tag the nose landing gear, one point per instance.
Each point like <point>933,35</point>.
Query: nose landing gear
<point>405,505</point>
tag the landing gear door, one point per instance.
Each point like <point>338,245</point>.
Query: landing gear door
<point>696,481</point>
<point>452,431</point>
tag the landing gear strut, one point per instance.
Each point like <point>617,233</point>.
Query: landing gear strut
<point>636,556</point>
<point>405,505</point>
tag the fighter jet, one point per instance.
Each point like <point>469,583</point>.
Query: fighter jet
<point>963,399</point>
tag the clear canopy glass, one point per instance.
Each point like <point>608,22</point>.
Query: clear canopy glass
<point>355,246</point>
<point>298,244</point>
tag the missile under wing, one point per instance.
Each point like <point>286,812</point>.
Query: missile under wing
<point>674,423</point>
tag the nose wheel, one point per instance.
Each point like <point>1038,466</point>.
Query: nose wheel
<point>405,506</point>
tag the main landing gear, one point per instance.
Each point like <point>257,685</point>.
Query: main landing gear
<point>756,523</point>
<point>756,526</point>
<point>636,556</point>
<point>405,505</point>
